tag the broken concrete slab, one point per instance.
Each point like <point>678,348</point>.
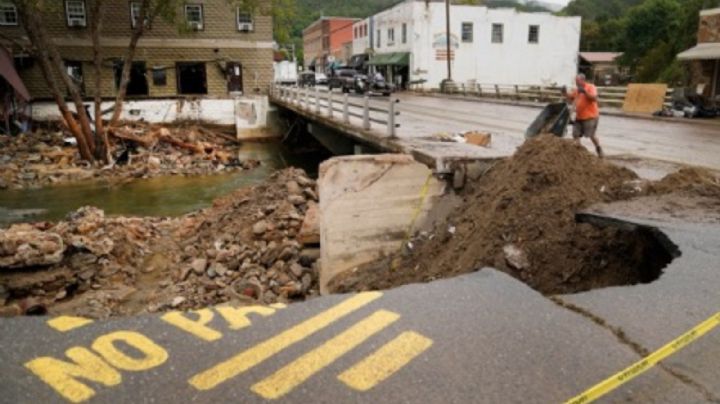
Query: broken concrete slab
<point>369,205</point>
<point>686,294</point>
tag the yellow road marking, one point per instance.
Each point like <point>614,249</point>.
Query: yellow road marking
<point>197,327</point>
<point>384,362</point>
<point>152,354</point>
<point>61,375</point>
<point>645,364</point>
<point>237,316</point>
<point>294,374</point>
<point>247,359</point>
<point>67,323</point>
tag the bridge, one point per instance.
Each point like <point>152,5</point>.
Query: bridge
<point>422,118</point>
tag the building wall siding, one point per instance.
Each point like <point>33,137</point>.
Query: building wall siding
<point>162,45</point>
<point>709,28</point>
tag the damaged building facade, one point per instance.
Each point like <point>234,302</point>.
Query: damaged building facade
<point>213,49</point>
<point>704,59</point>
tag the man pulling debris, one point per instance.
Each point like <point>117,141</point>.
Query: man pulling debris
<point>587,111</point>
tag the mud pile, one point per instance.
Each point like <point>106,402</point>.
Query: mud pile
<point>243,249</point>
<point>520,218</point>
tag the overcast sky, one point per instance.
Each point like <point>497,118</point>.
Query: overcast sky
<point>563,2</point>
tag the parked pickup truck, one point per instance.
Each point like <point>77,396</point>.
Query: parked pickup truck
<point>349,80</point>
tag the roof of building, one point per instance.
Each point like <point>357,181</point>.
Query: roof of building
<point>711,11</point>
<point>703,51</point>
<point>600,57</point>
<point>321,19</point>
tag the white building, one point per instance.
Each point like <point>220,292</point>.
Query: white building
<point>488,46</point>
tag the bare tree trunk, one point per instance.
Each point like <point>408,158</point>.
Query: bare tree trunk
<point>102,144</point>
<point>42,49</point>
<point>127,66</point>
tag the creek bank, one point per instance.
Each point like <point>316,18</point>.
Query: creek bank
<point>243,249</point>
<point>44,157</point>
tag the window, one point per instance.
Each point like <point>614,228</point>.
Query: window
<point>135,7</point>
<point>391,36</point>
<point>355,32</point>
<point>159,77</point>
<point>191,78</point>
<point>378,39</point>
<point>404,33</point>
<point>244,21</point>
<point>467,32</point>
<point>75,71</point>
<point>137,83</point>
<point>194,16</point>
<point>8,14</point>
<point>75,13</point>
<point>497,33</point>
<point>365,31</point>
<point>534,34</point>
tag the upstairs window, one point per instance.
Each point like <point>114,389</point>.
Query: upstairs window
<point>534,34</point>
<point>75,13</point>
<point>497,33</point>
<point>391,36</point>
<point>467,32</point>
<point>404,33</point>
<point>8,14</point>
<point>245,21</point>
<point>378,39</point>
<point>355,32</point>
<point>135,7</point>
<point>194,16</point>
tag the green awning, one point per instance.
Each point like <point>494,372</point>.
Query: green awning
<point>391,59</point>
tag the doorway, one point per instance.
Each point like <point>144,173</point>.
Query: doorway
<point>138,83</point>
<point>191,78</point>
<point>234,77</point>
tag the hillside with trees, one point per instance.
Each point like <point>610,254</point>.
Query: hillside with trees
<point>649,32</point>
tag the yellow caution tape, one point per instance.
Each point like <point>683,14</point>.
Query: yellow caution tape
<point>645,364</point>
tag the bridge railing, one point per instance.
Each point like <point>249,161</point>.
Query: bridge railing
<point>608,96</point>
<point>337,105</point>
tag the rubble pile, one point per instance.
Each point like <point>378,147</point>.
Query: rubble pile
<point>244,248</point>
<point>140,150</point>
<point>520,219</point>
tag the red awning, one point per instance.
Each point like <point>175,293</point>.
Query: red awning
<point>8,72</point>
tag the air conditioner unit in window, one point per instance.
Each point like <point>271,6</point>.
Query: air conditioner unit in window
<point>196,26</point>
<point>245,27</point>
<point>76,23</point>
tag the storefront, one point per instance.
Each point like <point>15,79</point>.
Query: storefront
<point>395,67</point>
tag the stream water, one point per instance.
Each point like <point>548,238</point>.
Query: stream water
<point>162,196</point>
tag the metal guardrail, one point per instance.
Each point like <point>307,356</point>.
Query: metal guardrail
<point>327,103</point>
<point>609,96</point>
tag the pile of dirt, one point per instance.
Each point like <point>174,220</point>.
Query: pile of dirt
<point>689,181</point>
<point>243,249</point>
<point>520,218</point>
<point>47,157</point>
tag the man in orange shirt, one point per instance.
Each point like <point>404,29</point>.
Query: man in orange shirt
<point>587,111</point>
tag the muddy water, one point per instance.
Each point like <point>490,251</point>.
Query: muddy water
<point>164,196</point>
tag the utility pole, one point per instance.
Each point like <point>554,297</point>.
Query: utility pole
<point>447,38</point>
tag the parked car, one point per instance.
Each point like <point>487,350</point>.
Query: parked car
<point>321,79</point>
<point>350,80</point>
<point>306,79</point>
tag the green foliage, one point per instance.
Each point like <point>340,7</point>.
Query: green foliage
<point>649,32</point>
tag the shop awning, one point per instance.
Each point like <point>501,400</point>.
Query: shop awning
<point>8,72</point>
<point>703,51</point>
<point>391,59</point>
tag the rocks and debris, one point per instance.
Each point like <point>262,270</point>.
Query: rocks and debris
<point>243,249</point>
<point>520,218</point>
<point>140,151</point>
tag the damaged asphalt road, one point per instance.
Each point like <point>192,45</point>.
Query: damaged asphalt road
<point>492,339</point>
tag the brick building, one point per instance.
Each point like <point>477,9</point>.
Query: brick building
<point>326,41</point>
<point>212,49</point>
<point>705,57</point>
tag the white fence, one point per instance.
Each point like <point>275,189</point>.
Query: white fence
<point>348,109</point>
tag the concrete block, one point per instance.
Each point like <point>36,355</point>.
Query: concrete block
<point>368,205</point>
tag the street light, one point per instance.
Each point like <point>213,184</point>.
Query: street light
<point>447,83</point>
